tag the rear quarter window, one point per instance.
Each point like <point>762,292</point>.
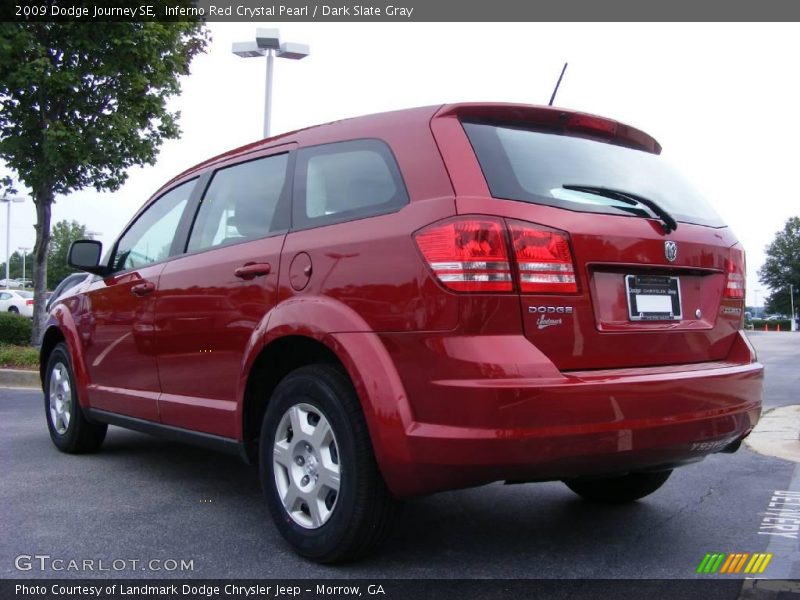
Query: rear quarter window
<point>344,181</point>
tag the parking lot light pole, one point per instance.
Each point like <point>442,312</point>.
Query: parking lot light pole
<point>24,252</point>
<point>793,325</point>
<point>268,43</point>
<point>8,201</point>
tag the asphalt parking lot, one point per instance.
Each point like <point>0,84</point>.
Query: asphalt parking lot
<point>142,498</point>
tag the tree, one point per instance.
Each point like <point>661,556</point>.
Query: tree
<point>63,234</point>
<point>80,103</point>
<point>782,267</point>
<point>15,266</point>
<point>7,187</point>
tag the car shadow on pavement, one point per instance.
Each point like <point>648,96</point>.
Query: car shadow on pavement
<point>505,522</point>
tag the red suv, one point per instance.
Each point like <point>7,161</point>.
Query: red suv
<point>416,301</point>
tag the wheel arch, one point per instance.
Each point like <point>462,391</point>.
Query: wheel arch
<point>51,338</point>
<point>60,327</point>
<point>310,330</point>
<point>274,362</point>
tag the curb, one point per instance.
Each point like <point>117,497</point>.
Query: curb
<point>19,378</point>
<point>776,434</point>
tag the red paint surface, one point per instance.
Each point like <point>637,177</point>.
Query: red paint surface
<point>457,389</point>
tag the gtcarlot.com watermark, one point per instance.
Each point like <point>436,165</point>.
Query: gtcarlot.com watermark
<point>47,563</point>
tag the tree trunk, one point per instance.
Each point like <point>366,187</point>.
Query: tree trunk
<point>43,199</point>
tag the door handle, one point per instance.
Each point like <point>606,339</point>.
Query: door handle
<point>142,289</point>
<point>252,270</point>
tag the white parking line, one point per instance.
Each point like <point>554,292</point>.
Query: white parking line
<point>782,526</point>
<point>782,518</point>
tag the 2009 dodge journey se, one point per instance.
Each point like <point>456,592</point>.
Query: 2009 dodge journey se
<point>416,301</point>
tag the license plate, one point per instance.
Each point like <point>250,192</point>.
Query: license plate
<point>653,298</point>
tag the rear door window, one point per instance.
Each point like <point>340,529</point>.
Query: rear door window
<point>530,165</point>
<point>242,203</point>
<point>345,181</point>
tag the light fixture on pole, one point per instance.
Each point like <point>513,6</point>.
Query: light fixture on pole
<point>756,307</point>
<point>24,253</point>
<point>8,232</point>
<point>268,43</point>
<point>92,234</point>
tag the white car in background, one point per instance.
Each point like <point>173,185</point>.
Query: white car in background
<point>17,301</point>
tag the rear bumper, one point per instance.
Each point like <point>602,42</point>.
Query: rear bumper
<point>470,431</point>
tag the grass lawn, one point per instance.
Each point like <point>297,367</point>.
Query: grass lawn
<point>19,357</point>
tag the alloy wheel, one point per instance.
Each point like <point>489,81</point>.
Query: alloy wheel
<point>60,398</point>
<point>306,465</point>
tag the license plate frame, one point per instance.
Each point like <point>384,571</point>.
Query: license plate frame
<point>653,297</point>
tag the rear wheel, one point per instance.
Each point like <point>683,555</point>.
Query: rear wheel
<point>13,309</point>
<point>70,430</point>
<point>318,470</point>
<point>618,490</point>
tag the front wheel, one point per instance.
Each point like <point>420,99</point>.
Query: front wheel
<point>70,430</point>
<point>317,467</point>
<point>619,490</point>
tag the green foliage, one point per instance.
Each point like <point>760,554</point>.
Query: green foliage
<point>19,357</point>
<point>782,268</point>
<point>82,102</point>
<point>7,187</point>
<point>758,324</point>
<point>62,236</point>
<point>15,266</point>
<point>778,302</point>
<point>14,329</point>
<point>64,233</point>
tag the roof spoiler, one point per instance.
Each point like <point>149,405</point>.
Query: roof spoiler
<point>556,119</point>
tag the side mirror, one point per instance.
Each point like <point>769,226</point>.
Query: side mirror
<point>84,255</point>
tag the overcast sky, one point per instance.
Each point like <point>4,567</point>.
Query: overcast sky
<point>722,99</point>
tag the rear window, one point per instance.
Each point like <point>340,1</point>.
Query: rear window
<point>533,166</point>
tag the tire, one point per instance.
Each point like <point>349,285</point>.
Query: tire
<point>69,428</point>
<point>337,525</point>
<point>619,490</point>
<point>13,309</point>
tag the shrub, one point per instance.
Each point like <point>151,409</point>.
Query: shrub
<point>15,329</point>
<point>25,357</point>
<point>758,324</point>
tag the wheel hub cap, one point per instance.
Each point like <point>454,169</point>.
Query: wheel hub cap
<point>306,465</point>
<point>60,398</point>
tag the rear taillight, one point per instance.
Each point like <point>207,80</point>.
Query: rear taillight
<point>735,269</point>
<point>544,259</point>
<point>29,302</point>
<point>467,254</point>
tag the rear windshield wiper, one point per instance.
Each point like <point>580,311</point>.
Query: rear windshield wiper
<point>669,223</point>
